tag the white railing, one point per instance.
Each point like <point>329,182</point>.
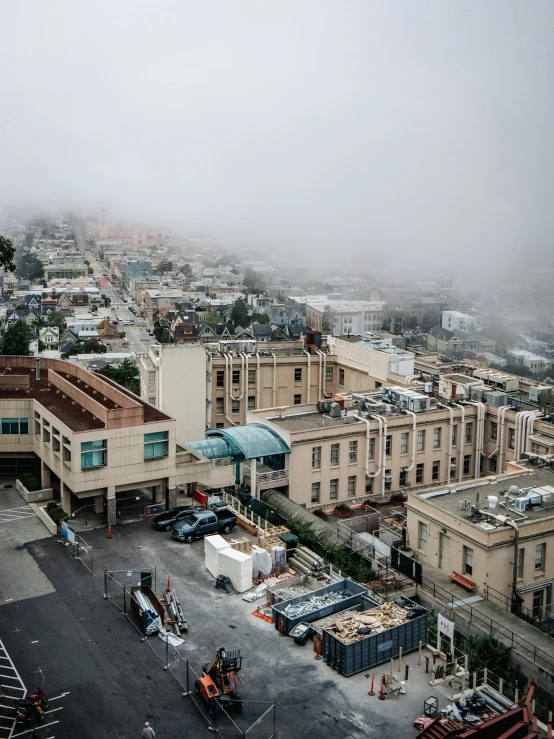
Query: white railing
<point>267,476</point>
<point>239,509</point>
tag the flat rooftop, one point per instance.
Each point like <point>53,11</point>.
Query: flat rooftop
<point>312,420</point>
<point>449,501</point>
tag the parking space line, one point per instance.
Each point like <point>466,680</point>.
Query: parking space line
<point>28,731</point>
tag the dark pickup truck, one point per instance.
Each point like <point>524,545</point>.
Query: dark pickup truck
<point>201,523</point>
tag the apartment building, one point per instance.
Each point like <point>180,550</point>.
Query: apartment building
<point>345,316</point>
<point>88,439</point>
<point>68,271</point>
<point>455,319</point>
<point>499,534</point>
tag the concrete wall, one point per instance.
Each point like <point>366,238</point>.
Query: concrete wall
<point>182,388</point>
<point>35,495</point>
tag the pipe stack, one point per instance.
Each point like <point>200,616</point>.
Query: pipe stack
<point>305,562</point>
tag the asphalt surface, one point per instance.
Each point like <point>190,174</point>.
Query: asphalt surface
<point>75,640</point>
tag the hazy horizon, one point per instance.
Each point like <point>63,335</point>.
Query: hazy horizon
<point>377,132</point>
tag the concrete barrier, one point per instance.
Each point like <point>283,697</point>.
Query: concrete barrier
<point>33,496</point>
<point>45,518</point>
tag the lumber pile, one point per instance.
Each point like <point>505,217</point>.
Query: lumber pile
<point>357,626</point>
<point>268,538</point>
<point>242,545</point>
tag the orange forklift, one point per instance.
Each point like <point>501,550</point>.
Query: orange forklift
<point>219,682</point>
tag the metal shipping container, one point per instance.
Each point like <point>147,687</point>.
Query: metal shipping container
<point>352,590</point>
<point>349,659</point>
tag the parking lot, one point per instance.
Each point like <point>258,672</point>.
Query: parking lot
<point>73,640</point>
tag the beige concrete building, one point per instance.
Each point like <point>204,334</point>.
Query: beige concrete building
<point>89,439</point>
<point>497,533</point>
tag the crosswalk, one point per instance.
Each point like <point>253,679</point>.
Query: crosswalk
<point>15,514</point>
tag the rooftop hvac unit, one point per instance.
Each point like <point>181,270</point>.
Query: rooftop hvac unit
<point>463,505</point>
<point>538,393</point>
<point>535,499</point>
<point>324,406</point>
<point>335,410</point>
<point>496,399</point>
<point>520,504</point>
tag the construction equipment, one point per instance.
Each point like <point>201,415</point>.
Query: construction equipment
<point>218,683</point>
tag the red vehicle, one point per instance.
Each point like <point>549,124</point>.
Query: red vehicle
<point>35,698</point>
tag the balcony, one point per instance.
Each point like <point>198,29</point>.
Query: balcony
<point>266,477</point>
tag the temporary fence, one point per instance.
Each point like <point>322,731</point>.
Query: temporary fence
<point>249,720</point>
<point>76,545</point>
<point>152,510</point>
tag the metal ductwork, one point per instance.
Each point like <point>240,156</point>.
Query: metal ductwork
<point>285,507</point>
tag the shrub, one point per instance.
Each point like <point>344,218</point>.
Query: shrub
<point>30,481</point>
<point>51,506</point>
<point>398,498</point>
<point>57,514</point>
<point>319,512</point>
<point>342,507</point>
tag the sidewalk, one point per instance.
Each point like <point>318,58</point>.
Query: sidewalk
<point>530,644</point>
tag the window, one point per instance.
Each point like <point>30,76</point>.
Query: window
<point>352,451</point>
<point>316,457</point>
<point>467,464</point>
<point>369,484</point>
<point>540,551</point>
<point>437,437</point>
<point>468,561</point>
<point>436,470</point>
<point>15,425</point>
<point>298,374</point>
<point>420,441</point>
<point>404,443</point>
<point>388,480</point>
<point>334,454</point>
<point>520,562</point>
<point>469,433</point>
<point>352,486</point>
<point>93,454</point>
<point>235,406</point>
<point>251,376</point>
<point>219,405</point>
<point>152,401</point>
<point>511,438</point>
<point>402,478</point>
<point>371,453</point>
<point>388,445</point>
<point>156,444</point>
<point>316,486</point>
<point>334,489</point>
<point>492,463</point>
<point>494,430</point>
<point>298,399</point>
<point>341,377</point>
<point>236,377</point>
<point>328,374</point>
<point>220,379</point>
<point>251,403</point>
<point>538,603</point>
<point>151,380</point>
<point>452,465</point>
<point>454,434</point>
<point>419,473</point>
<point>220,425</point>
<point>422,535</point>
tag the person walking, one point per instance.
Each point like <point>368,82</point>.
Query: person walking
<point>148,732</point>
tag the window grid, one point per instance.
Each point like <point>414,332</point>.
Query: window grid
<point>316,457</point>
<point>334,454</point>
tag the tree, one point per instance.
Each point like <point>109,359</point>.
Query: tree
<point>44,232</point>
<point>56,319</point>
<point>17,339</point>
<point>125,374</point>
<point>30,268</point>
<point>164,266</point>
<point>7,254</point>
<point>212,319</point>
<point>327,320</point>
<point>262,318</point>
<point>29,238</point>
<point>516,369</point>
<point>186,269</point>
<point>162,334</point>
<point>90,346</point>
<point>239,313</point>
<point>253,281</point>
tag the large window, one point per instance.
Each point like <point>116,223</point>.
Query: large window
<point>468,561</point>
<point>156,445</point>
<point>421,441</point>
<point>251,403</point>
<point>316,457</point>
<point>388,445</point>
<point>298,399</point>
<point>511,438</point>
<point>15,425</point>
<point>352,451</point>
<point>352,486</point>
<point>493,463</point>
<point>334,489</point>
<point>436,471</point>
<point>419,474</point>
<point>520,562</point>
<point>454,434</point>
<point>422,543</point>
<point>219,405</point>
<point>402,478</point>
<point>437,437</point>
<point>298,374</point>
<point>220,378</point>
<point>251,376</point>
<point>334,454</point>
<point>371,453</point>
<point>328,374</point>
<point>494,430</point>
<point>235,406</point>
<point>93,454</point>
<point>467,464</point>
<point>469,432</point>
<point>404,443</point>
<point>540,551</point>
<point>236,377</point>
<point>341,377</point>
<point>316,486</point>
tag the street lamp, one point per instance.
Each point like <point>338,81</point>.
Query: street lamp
<point>80,509</point>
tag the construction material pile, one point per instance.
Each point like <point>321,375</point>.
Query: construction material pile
<point>174,617</point>
<point>308,606</point>
<point>305,562</point>
<point>358,626</point>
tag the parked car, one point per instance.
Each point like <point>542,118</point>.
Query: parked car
<point>164,521</point>
<point>200,523</point>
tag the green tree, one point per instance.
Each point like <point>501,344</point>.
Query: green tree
<point>90,346</point>
<point>125,374</point>
<point>162,334</point>
<point>30,268</point>
<point>212,319</point>
<point>327,320</point>
<point>239,313</point>
<point>56,319</point>
<point>253,281</point>
<point>164,266</point>
<point>261,317</point>
<point>17,338</point>
<point>29,238</point>
<point>44,232</point>
<point>7,254</point>
<point>186,269</point>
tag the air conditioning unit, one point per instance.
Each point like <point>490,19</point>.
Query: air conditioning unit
<point>452,468</point>
<point>463,505</point>
<point>388,479</point>
<point>520,504</point>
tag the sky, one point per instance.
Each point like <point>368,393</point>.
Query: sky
<point>348,132</point>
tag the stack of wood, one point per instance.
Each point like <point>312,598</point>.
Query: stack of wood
<point>242,545</point>
<point>377,619</point>
<point>268,538</point>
